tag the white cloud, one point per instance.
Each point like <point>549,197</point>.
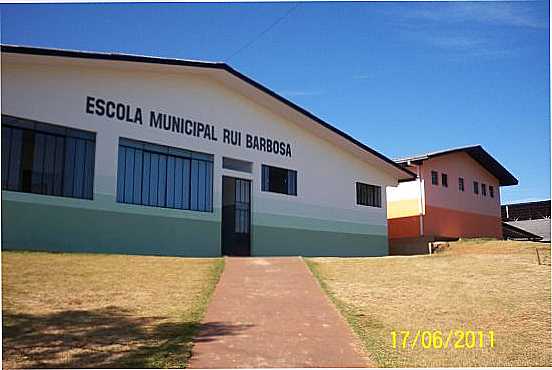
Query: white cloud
<point>363,76</point>
<point>498,13</point>
<point>302,92</point>
<point>455,42</point>
<point>464,29</point>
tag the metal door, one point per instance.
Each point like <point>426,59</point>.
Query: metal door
<point>236,216</point>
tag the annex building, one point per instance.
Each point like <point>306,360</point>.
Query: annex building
<point>526,221</point>
<point>120,153</point>
<point>456,195</point>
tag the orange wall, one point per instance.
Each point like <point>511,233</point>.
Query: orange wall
<point>449,223</point>
<point>404,227</point>
<point>455,224</point>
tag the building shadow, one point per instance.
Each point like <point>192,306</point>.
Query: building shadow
<point>108,337</point>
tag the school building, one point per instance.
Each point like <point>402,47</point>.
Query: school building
<point>119,153</point>
<point>456,195</point>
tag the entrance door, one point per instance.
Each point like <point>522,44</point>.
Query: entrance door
<point>236,216</point>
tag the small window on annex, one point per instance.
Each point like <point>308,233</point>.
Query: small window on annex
<point>444,180</point>
<point>460,184</point>
<point>434,178</point>
<point>279,180</point>
<point>475,187</point>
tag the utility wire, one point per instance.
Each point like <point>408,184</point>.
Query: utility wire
<point>290,10</point>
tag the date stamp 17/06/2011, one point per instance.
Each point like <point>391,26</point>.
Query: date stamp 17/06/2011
<point>437,339</point>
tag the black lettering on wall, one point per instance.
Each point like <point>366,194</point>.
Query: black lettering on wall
<point>120,111</point>
<point>189,127</point>
<point>100,107</point>
<point>128,113</point>
<point>156,120</point>
<point>200,128</point>
<point>166,123</point>
<point>231,137</point>
<point>138,116</point>
<point>90,104</point>
<point>110,109</point>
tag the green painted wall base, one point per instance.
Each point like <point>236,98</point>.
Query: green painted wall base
<point>59,228</point>
<point>277,241</point>
<point>36,222</point>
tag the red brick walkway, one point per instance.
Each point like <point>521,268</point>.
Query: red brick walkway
<point>271,312</point>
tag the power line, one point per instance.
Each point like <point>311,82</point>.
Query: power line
<point>290,10</point>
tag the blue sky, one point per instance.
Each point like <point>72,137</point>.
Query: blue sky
<point>404,78</point>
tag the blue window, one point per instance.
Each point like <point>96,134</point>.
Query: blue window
<point>47,159</point>
<point>161,176</point>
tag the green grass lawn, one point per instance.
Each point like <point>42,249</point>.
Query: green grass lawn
<point>478,285</point>
<point>87,310</point>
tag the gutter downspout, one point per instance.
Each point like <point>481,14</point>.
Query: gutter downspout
<point>422,206</point>
<point>422,199</point>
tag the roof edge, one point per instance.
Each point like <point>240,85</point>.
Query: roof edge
<point>477,153</point>
<point>31,50</point>
<point>529,202</point>
<point>505,224</point>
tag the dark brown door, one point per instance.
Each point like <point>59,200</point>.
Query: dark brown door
<point>236,216</point>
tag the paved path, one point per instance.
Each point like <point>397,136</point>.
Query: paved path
<point>271,312</point>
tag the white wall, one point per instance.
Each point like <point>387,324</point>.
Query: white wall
<point>56,93</point>
<point>406,190</point>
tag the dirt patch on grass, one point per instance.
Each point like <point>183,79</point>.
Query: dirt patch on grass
<point>523,251</point>
<point>86,310</point>
<point>476,285</point>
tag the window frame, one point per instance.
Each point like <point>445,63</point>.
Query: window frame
<point>434,178</point>
<point>476,187</point>
<point>491,191</point>
<point>41,136</point>
<point>376,197</point>
<point>265,176</point>
<point>444,180</point>
<point>233,164</point>
<point>172,154</point>
<point>484,189</point>
<point>461,186</point>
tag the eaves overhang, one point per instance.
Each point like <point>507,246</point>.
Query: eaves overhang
<point>401,173</point>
